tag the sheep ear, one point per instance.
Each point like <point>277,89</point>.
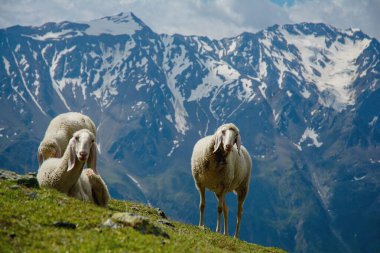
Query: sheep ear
<point>71,148</point>
<point>91,161</point>
<point>238,143</point>
<point>218,140</point>
<point>40,158</point>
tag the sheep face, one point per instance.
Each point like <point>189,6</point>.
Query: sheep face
<point>226,136</point>
<point>84,144</point>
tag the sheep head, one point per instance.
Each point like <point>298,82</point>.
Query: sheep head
<point>81,146</point>
<point>47,149</point>
<point>226,136</point>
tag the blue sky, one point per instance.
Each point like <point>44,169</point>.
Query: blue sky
<point>283,2</point>
<point>213,18</point>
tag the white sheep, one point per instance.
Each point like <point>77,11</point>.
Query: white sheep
<point>221,167</point>
<point>66,174</point>
<point>59,132</point>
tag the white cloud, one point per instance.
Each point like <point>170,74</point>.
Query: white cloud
<point>213,18</point>
<point>363,14</point>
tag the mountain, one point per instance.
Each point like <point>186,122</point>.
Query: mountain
<point>305,97</point>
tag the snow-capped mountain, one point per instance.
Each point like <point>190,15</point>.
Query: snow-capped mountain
<point>305,98</point>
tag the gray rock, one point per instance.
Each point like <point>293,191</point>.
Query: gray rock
<point>109,224</point>
<point>129,219</point>
<point>161,213</point>
<point>140,223</point>
<point>14,187</point>
<point>8,175</point>
<point>28,180</point>
<point>166,222</point>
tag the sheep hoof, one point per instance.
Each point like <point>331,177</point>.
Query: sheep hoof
<point>202,227</point>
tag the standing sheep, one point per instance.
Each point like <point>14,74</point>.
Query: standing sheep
<point>66,173</point>
<point>59,132</point>
<point>221,167</point>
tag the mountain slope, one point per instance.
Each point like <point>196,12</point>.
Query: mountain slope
<point>43,220</point>
<point>304,96</point>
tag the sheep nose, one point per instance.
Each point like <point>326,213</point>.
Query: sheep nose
<point>228,146</point>
<point>83,154</point>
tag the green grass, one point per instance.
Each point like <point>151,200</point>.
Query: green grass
<point>27,217</point>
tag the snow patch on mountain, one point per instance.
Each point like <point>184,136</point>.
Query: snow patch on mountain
<point>112,60</point>
<point>280,58</point>
<point>219,74</point>
<point>305,93</point>
<point>373,121</point>
<point>59,85</point>
<point>135,181</point>
<point>174,65</point>
<point>175,145</point>
<point>312,135</point>
<point>63,34</point>
<point>332,68</point>
<point>351,31</point>
<point>123,23</point>
<point>262,73</point>
<point>7,66</point>
<point>247,94</point>
<point>138,184</point>
<point>232,47</point>
<point>24,82</point>
<point>359,178</point>
<point>263,87</point>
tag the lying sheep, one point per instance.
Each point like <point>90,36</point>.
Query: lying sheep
<point>59,132</point>
<point>221,167</point>
<point>66,174</point>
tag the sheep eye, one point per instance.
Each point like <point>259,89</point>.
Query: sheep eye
<point>223,131</point>
<point>92,141</point>
<point>77,138</point>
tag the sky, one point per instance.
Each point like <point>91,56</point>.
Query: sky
<point>214,18</point>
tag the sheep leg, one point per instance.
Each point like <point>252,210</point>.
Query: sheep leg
<point>241,198</point>
<point>220,198</point>
<point>202,202</point>
<point>98,187</point>
<point>225,215</point>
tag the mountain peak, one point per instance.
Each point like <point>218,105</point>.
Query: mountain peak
<point>122,23</point>
<point>123,17</point>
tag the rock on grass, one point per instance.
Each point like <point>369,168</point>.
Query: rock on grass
<point>28,180</point>
<point>140,223</point>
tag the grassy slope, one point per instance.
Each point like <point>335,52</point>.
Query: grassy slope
<point>27,216</point>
